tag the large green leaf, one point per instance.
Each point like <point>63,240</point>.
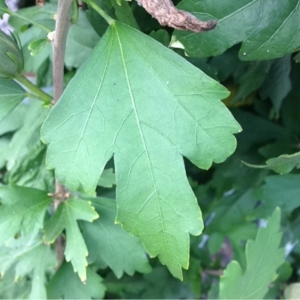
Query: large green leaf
<point>28,256</point>
<point>11,94</point>
<point>263,258</point>
<point>109,245</point>
<point>264,26</point>
<point>23,209</point>
<point>66,218</point>
<point>138,100</point>
<point>65,284</point>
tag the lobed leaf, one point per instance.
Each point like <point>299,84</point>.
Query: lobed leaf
<point>263,258</point>
<point>66,217</point>
<point>147,106</point>
<point>264,27</point>
<point>28,256</point>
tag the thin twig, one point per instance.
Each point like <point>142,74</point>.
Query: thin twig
<point>59,45</point>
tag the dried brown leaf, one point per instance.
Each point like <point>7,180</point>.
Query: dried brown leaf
<point>168,15</point>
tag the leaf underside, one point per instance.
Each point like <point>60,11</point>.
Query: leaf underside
<point>140,102</point>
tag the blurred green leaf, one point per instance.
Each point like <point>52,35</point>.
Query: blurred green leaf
<point>263,258</point>
<point>283,164</point>
<point>31,171</point>
<point>11,94</point>
<point>262,26</point>
<point>23,209</point>
<point>81,40</point>
<point>108,244</point>
<point>28,136</point>
<point>284,272</point>
<point>279,190</point>
<point>107,179</point>
<point>65,284</point>
<point>37,46</point>
<point>161,36</point>
<point>277,84</point>
<point>3,7</point>
<point>124,13</point>
<point>14,120</point>
<point>28,256</point>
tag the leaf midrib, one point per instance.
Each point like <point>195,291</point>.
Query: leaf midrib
<point>141,134</point>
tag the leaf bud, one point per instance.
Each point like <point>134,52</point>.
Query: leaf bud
<point>11,57</point>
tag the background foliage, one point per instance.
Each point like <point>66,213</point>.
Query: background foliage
<point>156,92</point>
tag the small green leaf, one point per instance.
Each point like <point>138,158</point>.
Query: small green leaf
<point>263,258</point>
<point>11,94</point>
<point>148,126</point>
<point>28,256</point>
<point>66,218</point>
<point>22,209</point>
<point>282,164</point>
<point>37,46</point>
<point>109,245</point>
<point>66,285</point>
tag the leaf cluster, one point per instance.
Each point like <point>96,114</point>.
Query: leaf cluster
<point>179,151</point>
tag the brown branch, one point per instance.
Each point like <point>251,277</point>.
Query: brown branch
<point>168,15</point>
<point>59,45</point>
